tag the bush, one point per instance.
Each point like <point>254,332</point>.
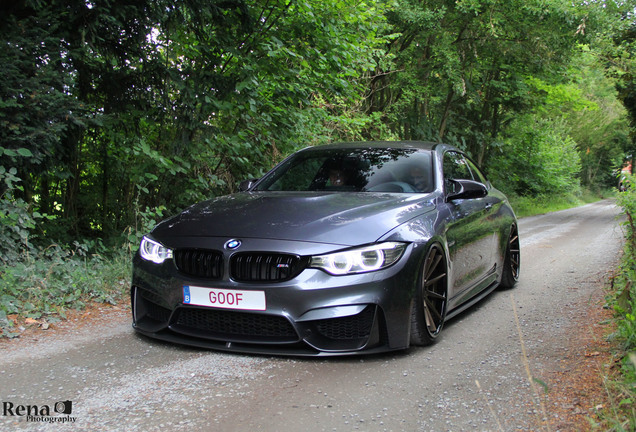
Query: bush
<point>42,282</point>
<point>539,158</point>
<point>623,411</point>
<point>46,284</point>
<point>627,200</point>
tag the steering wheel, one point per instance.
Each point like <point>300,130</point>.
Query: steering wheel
<point>392,186</point>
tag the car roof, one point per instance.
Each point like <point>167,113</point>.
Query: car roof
<point>418,145</point>
<point>422,145</point>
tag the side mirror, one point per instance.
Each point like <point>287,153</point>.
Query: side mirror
<point>465,189</point>
<point>246,185</point>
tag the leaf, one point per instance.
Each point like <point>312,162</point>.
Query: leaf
<point>624,299</point>
<point>25,152</point>
<point>542,384</point>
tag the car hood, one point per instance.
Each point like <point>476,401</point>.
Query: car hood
<point>335,218</point>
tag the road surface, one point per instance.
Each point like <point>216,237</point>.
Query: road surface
<point>476,377</point>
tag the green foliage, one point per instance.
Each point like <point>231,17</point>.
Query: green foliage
<point>46,283</point>
<point>622,413</point>
<point>561,99</point>
<point>145,222</point>
<point>538,157</point>
<point>16,224</point>
<point>615,43</point>
<point>596,119</point>
<point>460,67</point>
<point>627,200</point>
<point>533,205</point>
<point>17,220</point>
<point>124,107</point>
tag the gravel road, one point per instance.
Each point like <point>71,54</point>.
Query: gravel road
<point>474,379</point>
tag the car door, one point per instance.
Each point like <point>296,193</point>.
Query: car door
<point>470,233</point>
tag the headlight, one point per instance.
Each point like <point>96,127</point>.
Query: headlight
<point>152,251</point>
<point>365,259</point>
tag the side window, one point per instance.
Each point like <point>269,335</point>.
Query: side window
<point>455,167</point>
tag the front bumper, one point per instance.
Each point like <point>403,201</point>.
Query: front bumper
<point>314,314</point>
<point>260,333</point>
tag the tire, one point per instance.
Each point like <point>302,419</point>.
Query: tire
<point>512,260</point>
<point>428,309</point>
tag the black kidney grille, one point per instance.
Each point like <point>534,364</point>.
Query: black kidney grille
<point>200,263</point>
<point>237,325</point>
<point>347,328</point>
<point>265,267</point>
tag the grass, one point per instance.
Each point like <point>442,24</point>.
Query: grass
<point>530,206</point>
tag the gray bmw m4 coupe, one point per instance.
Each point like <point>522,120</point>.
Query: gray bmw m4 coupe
<point>340,249</point>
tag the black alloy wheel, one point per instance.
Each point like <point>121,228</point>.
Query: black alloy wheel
<point>512,260</point>
<point>428,311</point>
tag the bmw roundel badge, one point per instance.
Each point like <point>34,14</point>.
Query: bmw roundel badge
<point>232,244</point>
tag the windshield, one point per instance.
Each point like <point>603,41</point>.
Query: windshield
<point>354,170</point>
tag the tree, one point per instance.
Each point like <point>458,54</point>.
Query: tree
<point>537,157</point>
<point>69,73</point>
<point>614,39</point>
<point>461,66</point>
<point>114,108</point>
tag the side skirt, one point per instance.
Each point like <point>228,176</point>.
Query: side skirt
<point>472,301</point>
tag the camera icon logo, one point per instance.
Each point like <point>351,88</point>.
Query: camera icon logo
<point>64,407</point>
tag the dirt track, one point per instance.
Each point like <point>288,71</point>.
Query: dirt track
<point>474,378</point>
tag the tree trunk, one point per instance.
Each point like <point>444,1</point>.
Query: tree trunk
<point>72,143</point>
<point>446,114</point>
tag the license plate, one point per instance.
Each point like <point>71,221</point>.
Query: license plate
<point>224,298</point>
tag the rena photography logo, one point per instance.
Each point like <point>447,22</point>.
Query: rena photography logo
<point>60,413</point>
